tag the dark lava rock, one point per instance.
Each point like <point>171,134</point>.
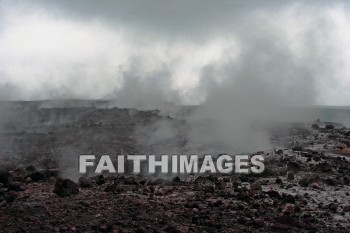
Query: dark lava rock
<point>346,208</point>
<point>307,180</point>
<point>10,197</point>
<point>280,227</point>
<point>85,182</point>
<point>158,182</point>
<point>290,176</point>
<point>323,167</point>
<point>346,179</point>
<point>279,152</point>
<point>100,180</point>
<point>333,207</point>
<point>31,169</point>
<point>255,187</point>
<point>317,157</point>
<point>278,181</point>
<point>220,185</point>
<point>64,188</point>
<point>192,204</point>
<point>330,181</point>
<point>329,127</point>
<point>176,179</point>
<point>130,181</point>
<point>288,198</point>
<point>204,181</point>
<point>288,209</point>
<point>5,177</point>
<point>293,166</point>
<point>259,222</point>
<point>236,181</point>
<point>36,176</point>
<point>19,174</point>
<point>243,196</point>
<point>297,148</point>
<point>143,182</point>
<point>15,186</point>
<point>285,220</point>
<point>273,194</point>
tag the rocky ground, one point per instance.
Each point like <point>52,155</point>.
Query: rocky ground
<point>305,187</point>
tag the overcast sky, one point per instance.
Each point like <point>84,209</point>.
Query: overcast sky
<point>178,50</point>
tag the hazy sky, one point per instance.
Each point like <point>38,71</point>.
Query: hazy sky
<point>177,50</point>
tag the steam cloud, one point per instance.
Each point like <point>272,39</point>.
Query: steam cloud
<point>81,49</point>
<point>242,61</point>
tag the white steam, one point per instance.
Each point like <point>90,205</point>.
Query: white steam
<point>50,54</point>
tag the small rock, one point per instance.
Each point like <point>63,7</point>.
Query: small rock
<point>157,182</point>
<point>259,222</point>
<point>36,176</point>
<point>329,126</point>
<point>66,187</point>
<point>203,181</point>
<point>31,169</point>
<point>15,186</point>
<point>333,207</point>
<point>268,201</point>
<point>293,166</point>
<point>278,181</point>
<point>100,180</point>
<point>19,174</point>
<point>5,177</point>
<point>236,181</point>
<point>285,220</point>
<point>288,209</point>
<point>316,185</point>
<point>273,194</point>
<point>346,208</point>
<point>255,187</point>
<point>330,181</point>
<point>290,176</point>
<point>279,152</point>
<point>85,182</point>
<point>289,198</point>
<point>176,179</point>
<point>308,180</point>
<point>220,185</point>
<point>192,205</point>
<point>323,167</point>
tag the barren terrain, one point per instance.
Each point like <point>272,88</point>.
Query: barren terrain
<point>305,187</point>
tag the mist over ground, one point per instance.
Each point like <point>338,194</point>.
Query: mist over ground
<point>245,64</point>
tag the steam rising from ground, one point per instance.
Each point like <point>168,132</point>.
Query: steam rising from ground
<point>243,63</point>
